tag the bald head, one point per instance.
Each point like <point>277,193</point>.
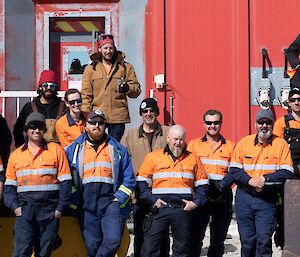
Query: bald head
<point>176,139</point>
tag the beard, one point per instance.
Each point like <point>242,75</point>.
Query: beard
<point>48,94</point>
<point>176,152</point>
<point>265,134</point>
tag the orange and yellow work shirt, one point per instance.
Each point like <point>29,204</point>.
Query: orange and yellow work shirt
<point>215,160</point>
<point>67,129</point>
<point>280,125</point>
<point>97,165</point>
<point>257,159</point>
<point>169,177</point>
<point>41,172</point>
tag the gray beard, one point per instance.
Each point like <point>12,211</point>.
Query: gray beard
<point>177,152</point>
<point>264,135</point>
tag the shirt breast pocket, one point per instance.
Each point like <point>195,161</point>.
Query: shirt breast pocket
<point>49,163</point>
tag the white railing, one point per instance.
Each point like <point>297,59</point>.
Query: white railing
<point>18,95</point>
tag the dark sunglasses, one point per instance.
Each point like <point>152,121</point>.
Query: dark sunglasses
<point>104,36</point>
<point>78,101</point>
<point>35,126</point>
<point>292,100</point>
<point>50,84</point>
<point>95,122</point>
<point>267,122</point>
<point>146,110</point>
<point>217,122</point>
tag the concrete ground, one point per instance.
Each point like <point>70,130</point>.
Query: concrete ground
<point>232,246</point>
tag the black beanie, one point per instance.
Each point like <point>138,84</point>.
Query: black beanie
<point>149,103</point>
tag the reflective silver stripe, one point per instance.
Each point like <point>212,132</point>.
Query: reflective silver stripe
<point>96,164</point>
<point>273,183</point>
<point>287,167</point>
<point>214,162</point>
<point>215,176</point>
<point>11,182</point>
<point>35,172</point>
<point>140,178</point>
<point>260,167</point>
<point>201,182</point>
<point>172,190</point>
<point>236,165</point>
<point>1,168</point>
<point>64,177</point>
<point>97,179</point>
<point>51,187</point>
<point>173,175</point>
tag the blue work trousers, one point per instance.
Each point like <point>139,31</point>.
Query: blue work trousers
<point>158,225</point>
<point>140,212</point>
<point>116,130</point>
<point>32,233</point>
<point>256,218</point>
<point>219,213</point>
<point>102,230</point>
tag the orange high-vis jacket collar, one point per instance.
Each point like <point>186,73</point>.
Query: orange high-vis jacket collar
<point>42,172</point>
<point>169,177</point>
<point>258,160</point>
<point>215,161</point>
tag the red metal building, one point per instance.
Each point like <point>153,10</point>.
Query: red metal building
<point>208,53</point>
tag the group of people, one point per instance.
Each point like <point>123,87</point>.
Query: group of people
<point>66,163</point>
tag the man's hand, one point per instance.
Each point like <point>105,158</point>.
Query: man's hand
<point>18,212</point>
<point>159,203</point>
<point>57,214</point>
<point>189,205</point>
<point>257,183</point>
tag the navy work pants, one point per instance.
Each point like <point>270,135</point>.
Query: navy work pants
<point>116,130</point>
<point>139,215</point>
<point>158,225</point>
<point>256,218</point>
<point>219,213</point>
<point>32,233</point>
<point>102,230</point>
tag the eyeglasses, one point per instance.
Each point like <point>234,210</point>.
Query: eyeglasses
<point>35,126</point>
<point>267,122</point>
<point>95,122</point>
<point>148,110</point>
<point>217,122</point>
<point>78,101</point>
<point>50,84</point>
<point>292,100</point>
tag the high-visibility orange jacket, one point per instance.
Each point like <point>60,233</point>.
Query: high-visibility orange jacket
<point>67,129</point>
<point>280,125</point>
<point>252,159</point>
<point>215,161</point>
<point>172,180</point>
<point>43,180</point>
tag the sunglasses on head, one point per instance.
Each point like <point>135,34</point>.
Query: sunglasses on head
<point>267,122</point>
<point>95,122</point>
<point>50,84</point>
<point>78,101</point>
<point>104,36</point>
<point>292,100</point>
<point>148,110</point>
<point>217,122</point>
<point>35,126</point>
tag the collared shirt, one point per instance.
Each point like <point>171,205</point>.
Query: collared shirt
<point>215,160</point>
<point>253,159</point>
<point>280,125</point>
<point>168,177</point>
<point>68,129</point>
<point>35,181</point>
